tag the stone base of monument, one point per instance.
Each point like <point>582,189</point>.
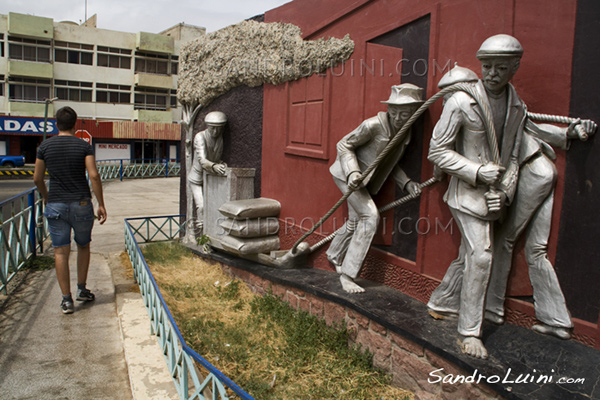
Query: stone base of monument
<point>423,354</point>
<point>420,353</point>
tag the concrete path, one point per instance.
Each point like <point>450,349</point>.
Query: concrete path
<point>104,350</point>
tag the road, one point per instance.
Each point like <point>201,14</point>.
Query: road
<point>13,187</point>
<point>10,188</point>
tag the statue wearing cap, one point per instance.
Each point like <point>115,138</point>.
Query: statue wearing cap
<point>481,189</point>
<point>355,153</point>
<point>208,149</point>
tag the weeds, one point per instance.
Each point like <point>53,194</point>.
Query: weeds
<point>271,350</point>
<point>40,263</point>
<point>163,253</point>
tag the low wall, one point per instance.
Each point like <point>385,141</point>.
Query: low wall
<point>407,362</point>
<point>422,354</point>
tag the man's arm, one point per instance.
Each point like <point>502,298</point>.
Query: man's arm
<point>557,136</point>
<point>202,156</point>
<point>90,165</point>
<point>442,146</point>
<point>346,149</point>
<point>38,178</point>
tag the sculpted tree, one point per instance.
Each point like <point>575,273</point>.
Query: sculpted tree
<point>249,53</point>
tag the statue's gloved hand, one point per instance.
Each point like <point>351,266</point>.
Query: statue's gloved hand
<point>495,200</point>
<point>413,188</point>
<point>578,126</point>
<point>490,173</point>
<point>354,180</point>
<point>220,169</point>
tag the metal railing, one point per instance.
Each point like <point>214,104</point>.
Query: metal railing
<point>125,168</point>
<point>23,228</point>
<point>22,233</point>
<point>183,362</point>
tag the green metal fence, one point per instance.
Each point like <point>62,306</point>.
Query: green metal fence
<point>22,233</point>
<point>194,376</point>
<point>123,169</point>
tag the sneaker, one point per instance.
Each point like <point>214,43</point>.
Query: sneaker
<point>85,295</point>
<point>66,306</point>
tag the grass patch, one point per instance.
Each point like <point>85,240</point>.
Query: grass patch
<point>164,252</point>
<point>40,263</point>
<point>271,350</point>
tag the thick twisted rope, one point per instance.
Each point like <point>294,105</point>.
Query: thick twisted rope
<point>468,88</point>
<point>383,209</point>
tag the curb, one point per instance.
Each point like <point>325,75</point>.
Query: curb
<point>16,173</point>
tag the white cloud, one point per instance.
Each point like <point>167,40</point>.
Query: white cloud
<point>144,15</point>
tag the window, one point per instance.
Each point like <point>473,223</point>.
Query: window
<point>1,85</point>
<point>72,53</point>
<point>173,98</point>
<point>174,65</point>
<point>1,44</point>
<point>307,124</point>
<point>72,90</point>
<point>108,93</point>
<point>28,49</point>
<point>113,57</point>
<point>28,90</point>
<point>151,99</point>
<point>152,63</point>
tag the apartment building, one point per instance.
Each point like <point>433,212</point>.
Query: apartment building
<point>122,85</point>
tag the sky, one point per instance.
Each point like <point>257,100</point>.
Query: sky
<point>151,16</point>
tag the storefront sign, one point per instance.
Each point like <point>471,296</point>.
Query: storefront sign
<point>113,151</point>
<point>24,125</point>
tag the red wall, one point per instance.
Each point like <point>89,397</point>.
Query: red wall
<point>304,185</point>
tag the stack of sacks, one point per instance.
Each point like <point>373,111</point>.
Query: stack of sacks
<point>251,225</point>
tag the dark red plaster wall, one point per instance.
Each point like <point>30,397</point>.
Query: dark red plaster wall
<point>304,186</point>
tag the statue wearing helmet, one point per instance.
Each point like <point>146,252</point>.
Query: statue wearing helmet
<point>208,149</point>
<point>516,181</point>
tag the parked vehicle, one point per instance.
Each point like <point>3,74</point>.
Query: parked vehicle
<point>12,161</point>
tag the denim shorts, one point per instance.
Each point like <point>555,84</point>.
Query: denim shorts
<point>62,217</point>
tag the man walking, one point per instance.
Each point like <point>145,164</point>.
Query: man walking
<point>68,202</point>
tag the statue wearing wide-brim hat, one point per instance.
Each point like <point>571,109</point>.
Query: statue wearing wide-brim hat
<point>356,152</point>
<point>405,94</point>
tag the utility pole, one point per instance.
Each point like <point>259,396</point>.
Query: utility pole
<point>47,101</point>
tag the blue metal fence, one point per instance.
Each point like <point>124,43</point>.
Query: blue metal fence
<point>142,168</point>
<point>183,362</point>
<point>22,233</point>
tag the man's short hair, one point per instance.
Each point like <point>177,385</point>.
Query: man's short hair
<point>66,118</point>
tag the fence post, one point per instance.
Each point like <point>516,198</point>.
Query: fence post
<point>32,221</point>
<point>121,171</point>
<point>166,167</point>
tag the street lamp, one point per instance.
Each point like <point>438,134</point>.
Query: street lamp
<point>47,101</point>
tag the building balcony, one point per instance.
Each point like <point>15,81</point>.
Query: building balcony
<point>30,26</point>
<point>153,81</point>
<point>22,108</point>
<point>153,116</point>
<point>30,69</point>
<point>155,43</point>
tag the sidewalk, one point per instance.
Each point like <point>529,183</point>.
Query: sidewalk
<point>104,350</point>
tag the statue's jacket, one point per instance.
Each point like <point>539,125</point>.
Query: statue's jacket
<point>207,152</point>
<point>357,150</point>
<point>460,146</point>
